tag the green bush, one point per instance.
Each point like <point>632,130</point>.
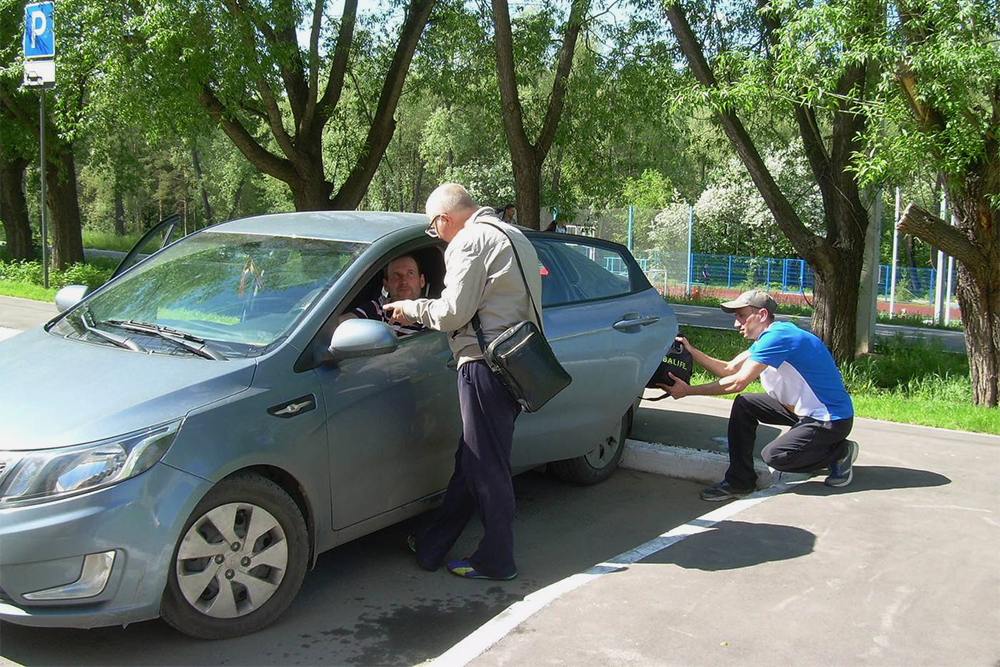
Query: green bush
<point>31,273</point>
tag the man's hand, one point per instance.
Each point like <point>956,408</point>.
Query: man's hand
<point>678,390</point>
<point>394,313</point>
<point>687,345</point>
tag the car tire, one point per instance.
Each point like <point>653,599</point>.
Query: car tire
<point>220,585</point>
<point>599,463</point>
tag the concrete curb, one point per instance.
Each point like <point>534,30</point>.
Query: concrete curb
<point>696,465</point>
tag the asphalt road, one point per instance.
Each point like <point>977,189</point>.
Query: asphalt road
<point>714,318</point>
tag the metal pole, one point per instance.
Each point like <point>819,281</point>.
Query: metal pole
<point>895,253</point>
<point>939,277</point>
<point>690,266</point>
<point>951,268</point>
<point>41,151</point>
<point>630,227</point>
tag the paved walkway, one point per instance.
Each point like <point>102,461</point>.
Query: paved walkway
<point>899,568</point>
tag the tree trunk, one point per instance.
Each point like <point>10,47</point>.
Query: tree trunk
<point>527,158</point>
<point>980,306</point>
<point>67,232</point>
<point>119,212</point>
<point>206,207</point>
<point>978,268</point>
<point>527,178</point>
<point>418,185</point>
<point>835,303</point>
<point>14,208</point>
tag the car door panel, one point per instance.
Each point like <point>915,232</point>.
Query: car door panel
<point>393,427</point>
<point>608,328</point>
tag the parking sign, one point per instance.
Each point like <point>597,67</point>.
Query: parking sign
<point>39,33</point>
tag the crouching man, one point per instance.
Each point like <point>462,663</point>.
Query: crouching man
<point>803,388</point>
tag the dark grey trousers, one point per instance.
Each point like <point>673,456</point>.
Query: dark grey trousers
<point>809,445</point>
<point>481,481</point>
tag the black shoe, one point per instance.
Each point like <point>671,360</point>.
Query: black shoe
<point>723,491</point>
<point>842,470</point>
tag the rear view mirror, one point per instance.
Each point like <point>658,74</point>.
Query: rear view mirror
<point>360,338</point>
<point>69,296</point>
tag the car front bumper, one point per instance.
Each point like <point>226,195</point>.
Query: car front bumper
<point>129,531</point>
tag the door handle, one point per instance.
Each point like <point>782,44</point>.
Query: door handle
<point>627,323</point>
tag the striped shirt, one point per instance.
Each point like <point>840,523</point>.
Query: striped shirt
<point>373,311</point>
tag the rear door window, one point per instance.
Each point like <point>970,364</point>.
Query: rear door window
<point>574,271</point>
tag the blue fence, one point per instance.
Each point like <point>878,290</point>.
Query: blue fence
<point>779,274</point>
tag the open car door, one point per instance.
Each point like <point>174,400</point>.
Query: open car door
<point>165,226</point>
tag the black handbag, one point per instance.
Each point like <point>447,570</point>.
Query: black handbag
<point>521,356</point>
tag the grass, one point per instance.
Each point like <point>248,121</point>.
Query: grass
<point>108,241</point>
<point>27,291</point>
<point>903,381</point>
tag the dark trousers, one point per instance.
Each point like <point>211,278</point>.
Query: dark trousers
<point>809,445</point>
<point>481,482</point>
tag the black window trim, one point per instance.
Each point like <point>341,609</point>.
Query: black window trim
<point>638,282</point>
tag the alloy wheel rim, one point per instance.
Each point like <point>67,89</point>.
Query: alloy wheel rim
<point>602,455</point>
<point>232,560</point>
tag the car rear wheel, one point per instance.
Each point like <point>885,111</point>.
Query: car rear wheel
<point>240,560</point>
<point>599,463</point>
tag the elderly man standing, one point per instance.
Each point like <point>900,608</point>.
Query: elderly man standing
<point>482,276</point>
<point>803,389</point>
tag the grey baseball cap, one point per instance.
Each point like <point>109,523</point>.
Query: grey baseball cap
<point>754,297</point>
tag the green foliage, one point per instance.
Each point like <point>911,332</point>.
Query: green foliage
<point>76,274</point>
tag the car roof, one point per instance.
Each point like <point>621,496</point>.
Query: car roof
<point>351,226</point>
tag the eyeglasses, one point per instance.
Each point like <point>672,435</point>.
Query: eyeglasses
<point>432,226</point>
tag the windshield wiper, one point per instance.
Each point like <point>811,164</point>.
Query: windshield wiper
<point>120,341</point>
<point>185,340</point>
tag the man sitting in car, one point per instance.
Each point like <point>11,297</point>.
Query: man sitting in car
<point>402,279</point>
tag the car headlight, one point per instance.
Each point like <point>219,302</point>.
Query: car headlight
<point>48,474</point>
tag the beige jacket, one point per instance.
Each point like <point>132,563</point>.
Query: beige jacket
<point>481,274</point>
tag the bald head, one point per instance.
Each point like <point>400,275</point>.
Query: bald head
<point>451,205</point>
<point>450,198</point>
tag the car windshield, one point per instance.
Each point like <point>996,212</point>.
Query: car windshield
<point>244,291</point>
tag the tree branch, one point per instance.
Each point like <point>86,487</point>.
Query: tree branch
<point>805,242</point>
<point>512,112</point>
<point>338,66</point>
<point>380,132</point>
<point>933,230</point>
<point>260,157</point>
<point>577,13</point>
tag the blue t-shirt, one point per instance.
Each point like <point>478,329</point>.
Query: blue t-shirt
<point>801,373</point>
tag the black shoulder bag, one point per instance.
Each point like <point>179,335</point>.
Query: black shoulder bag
<point>521,356</point>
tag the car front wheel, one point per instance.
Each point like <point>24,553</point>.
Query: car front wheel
<point>599,463</point>
<point>240,561</point>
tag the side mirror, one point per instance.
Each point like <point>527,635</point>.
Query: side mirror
<point>359,338</point>
<point>70,295</point>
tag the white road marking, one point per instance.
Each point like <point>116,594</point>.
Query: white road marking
<point>503,623</point>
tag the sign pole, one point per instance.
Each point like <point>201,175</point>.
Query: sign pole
<point>40,72</point>
<point>41,171</point>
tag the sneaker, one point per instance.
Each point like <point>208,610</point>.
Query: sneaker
<point>842,470</point>
<point>463,568</point>
<point>723,491</point>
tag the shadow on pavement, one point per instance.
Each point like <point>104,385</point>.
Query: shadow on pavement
<point>874,478</point>
<point>367,602</point>
<point>730,545</point>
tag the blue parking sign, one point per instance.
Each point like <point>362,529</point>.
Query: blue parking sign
<point>39,32</point>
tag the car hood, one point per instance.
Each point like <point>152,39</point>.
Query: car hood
<point>56,392</point>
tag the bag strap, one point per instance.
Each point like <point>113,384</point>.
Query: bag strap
<point>519,268</point>
<point>476,323</point>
